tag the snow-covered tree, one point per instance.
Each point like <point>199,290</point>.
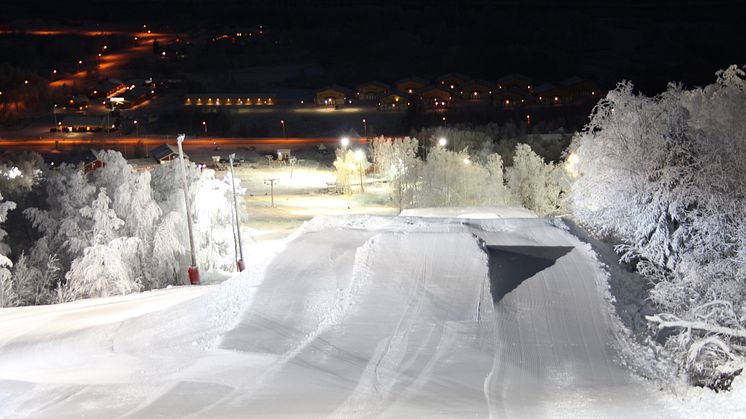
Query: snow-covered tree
<point>8,294</point>
<point>665,176</point>
<point>348,167</point>
<point>533,183</point>
<point>103,270</point>
<point>396,159</point>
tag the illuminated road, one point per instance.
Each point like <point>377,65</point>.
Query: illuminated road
<point>58,144</point>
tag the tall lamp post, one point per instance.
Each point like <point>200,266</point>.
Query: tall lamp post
<point>365,127</point>
<point>204,124</point>
<point>137,128</point>
<point>193,270</point>
<point>282,122</point>
<point>240,261</point>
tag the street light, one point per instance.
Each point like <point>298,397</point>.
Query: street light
<point>204,124</point>
<point>137,128</point>
<point>444,121</point>
<point>345,141</point>
<point>365,127</point>
<point>240,261</point>
<point>442,142</point>
<point>282,121</point>
<point>359,156</point>
<point>193,271</point>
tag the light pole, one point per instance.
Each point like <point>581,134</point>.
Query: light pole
<point>271,183</point>
<point>193,271</point>
<point>137,128</point>
<point>365,127</point>
<point>359,156</point>
<point>240,261</point>
<point>282,122</point>
<point>444,121</point>
<point>204,124</point>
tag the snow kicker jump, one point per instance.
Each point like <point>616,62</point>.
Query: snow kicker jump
<point>365,317</point>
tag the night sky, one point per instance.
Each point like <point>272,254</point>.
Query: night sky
<point>650,43</point>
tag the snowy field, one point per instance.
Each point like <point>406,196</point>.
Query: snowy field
<point>353,317</point>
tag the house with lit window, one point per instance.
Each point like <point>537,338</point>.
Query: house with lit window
<point>451,81</point>
<point>511,98</point>
<point>106,89</point>
<point>88,123</point>
<point>517,82</point>
<point>550,94</point>
<point>393,102</point>
<point>165,153</point>
<point>230,99</point>
<point>411,85</point>
<point>371,91</point>
<point>87,160</point>
<point>436,97</point>
<point>479,91</point>
<point>580,90</point>
<point>333,95</point>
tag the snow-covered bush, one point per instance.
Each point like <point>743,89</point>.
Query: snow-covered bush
<point>533,183</point>
<point>664,175</point>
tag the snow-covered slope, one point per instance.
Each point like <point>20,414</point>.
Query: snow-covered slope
<point>354,317</point>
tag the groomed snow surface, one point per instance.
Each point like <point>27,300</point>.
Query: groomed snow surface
<point>353,317</point>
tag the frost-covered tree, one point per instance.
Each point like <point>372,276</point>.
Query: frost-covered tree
<point>533,183</point>
<point>348,168</point>
<point>396,159</point>
<point>8,294</point>
<point>103,270</point>
<point>664,175</point>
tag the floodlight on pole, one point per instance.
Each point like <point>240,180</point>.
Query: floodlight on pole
<point>442,142</point>
<point>193,271</point>
<point>204,124</point>
<point>282,121</point>
<point>359,156</point>
<point>345,141</point>
<point>240,261</point>
<point>365,127</point>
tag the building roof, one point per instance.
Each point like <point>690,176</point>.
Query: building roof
<point>164,150</point>
<point>82,157</point>
<point>414,79</point>
<point>373,83</point>
<point>446,76</point>
<point>544,87</point>
<point>335,87</point>
<point>478,82</point>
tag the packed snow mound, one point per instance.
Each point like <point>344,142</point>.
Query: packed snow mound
<point>470,212</point>
<point>354,317</point>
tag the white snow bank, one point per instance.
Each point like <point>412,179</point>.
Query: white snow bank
<point>470,212</point>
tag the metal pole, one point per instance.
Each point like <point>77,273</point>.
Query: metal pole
<point>362,188</point>
<point>235,213</point>
<point>193,270</point>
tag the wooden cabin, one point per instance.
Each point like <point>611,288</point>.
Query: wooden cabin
<point>371,91</point>
<point>517,82</point>
<point>476,91</point>
<point>393,102</point>
<point>436,97</point>
<point>549,94</point>
<point>580,90</point>
<point>411,85</point>
<point>333,96</point>
<point>451,81</point>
